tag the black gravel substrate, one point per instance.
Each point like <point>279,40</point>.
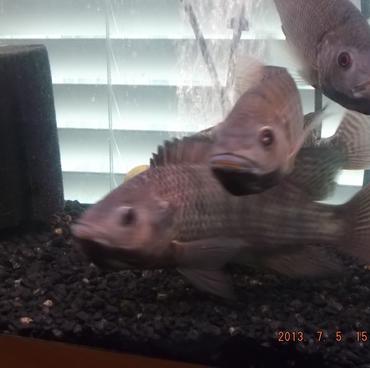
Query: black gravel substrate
<point>47,290</point>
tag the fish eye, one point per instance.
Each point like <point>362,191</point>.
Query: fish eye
<point>344,60</point>
<point>267,136</point>
<point>128,216</point>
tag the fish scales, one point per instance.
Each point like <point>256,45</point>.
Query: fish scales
<point>194,193</point>
<point>274,218</point>
<point>281,217</point>
<point>304,225</point>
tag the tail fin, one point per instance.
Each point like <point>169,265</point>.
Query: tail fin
<point>357,239</point>
<point>353,139</point>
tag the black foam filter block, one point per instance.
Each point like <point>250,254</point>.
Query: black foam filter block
<point>31,187</point>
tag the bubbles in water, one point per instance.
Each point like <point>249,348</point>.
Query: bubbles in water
<point>199,101</point>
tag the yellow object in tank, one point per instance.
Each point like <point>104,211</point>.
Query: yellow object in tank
<point>135,171</point>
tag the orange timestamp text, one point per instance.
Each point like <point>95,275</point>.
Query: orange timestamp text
<point>321,336</point>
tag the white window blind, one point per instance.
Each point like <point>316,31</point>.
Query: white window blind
<point>128,74</point>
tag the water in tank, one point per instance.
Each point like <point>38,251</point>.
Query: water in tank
<point>188,179</point>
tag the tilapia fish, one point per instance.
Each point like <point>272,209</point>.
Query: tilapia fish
<point>317,163</point>
<point>332,41</point>
<point>178,215</point>
<point>257,142</point>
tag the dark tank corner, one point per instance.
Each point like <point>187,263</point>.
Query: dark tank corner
<point>31,188</point>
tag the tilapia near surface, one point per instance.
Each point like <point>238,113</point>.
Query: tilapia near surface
<point>331,40</point>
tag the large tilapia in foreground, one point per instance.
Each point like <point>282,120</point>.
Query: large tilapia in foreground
<point>180,216</point>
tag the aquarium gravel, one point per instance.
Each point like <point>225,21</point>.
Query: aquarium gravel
<point>49,291</point>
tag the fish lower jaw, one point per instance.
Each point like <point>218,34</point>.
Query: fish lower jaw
<point>231,161</point>
<point>101,241</point>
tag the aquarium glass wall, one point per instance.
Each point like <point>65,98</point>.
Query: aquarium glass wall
<point>129,74</point>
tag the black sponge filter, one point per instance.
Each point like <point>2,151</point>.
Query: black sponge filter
<point>31,187</point>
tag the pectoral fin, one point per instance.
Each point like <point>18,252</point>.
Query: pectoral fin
<point>283,30</point>
<point>311,261</point>
<point>314,122</point>
<point>201,262</point>
<point>212,281</point>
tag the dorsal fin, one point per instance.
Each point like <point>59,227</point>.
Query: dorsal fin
<point>315,170</point>
<point>188,150</point>
<point>249,72</point>
<point>207,133</point>
<point>352,137</point>
<point>319,162</point>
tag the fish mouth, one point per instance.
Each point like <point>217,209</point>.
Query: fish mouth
<point>230,161</point>
<point>239,177</point>
<point>361,98</point>
<point>357,99</point>
<point>104,257</point>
